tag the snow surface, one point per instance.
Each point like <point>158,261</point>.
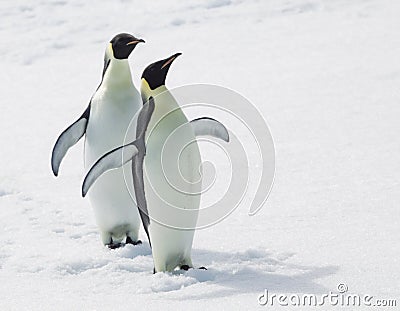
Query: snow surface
<point>325,75</point>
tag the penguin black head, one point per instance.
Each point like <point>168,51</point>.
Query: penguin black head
<point>123,44</point>
<point>156,73</point>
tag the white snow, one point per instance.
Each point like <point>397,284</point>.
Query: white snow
<point>325,75</point>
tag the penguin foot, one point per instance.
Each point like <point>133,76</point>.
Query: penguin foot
<point>114,245</point>
<point>187,267</point>
<point>184,267</point>
<point>130,241</point>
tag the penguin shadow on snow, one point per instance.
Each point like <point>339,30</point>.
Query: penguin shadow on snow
<point>127,258</point>
<point>251,271</point>
<point>228,274</point>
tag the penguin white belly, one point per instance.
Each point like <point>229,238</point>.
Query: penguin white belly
<point>173,213</point>
<point>110,116</point>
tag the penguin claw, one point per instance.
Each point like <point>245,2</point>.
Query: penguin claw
<point>186,268</point>
<point>114,245</point>
<point>130,241</point>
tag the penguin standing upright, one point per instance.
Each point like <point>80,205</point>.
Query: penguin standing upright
<point>171,246</point>
<point>166,169</point>
<point>105,121</point>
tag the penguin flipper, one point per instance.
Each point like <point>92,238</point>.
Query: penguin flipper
<point>206,126</point>
<point>111,160</point>
<point>67,139</point>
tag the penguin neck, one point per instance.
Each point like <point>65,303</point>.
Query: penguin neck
<point>118,74</point>
<point>146,92</point>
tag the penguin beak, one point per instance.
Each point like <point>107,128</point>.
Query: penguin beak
<point>169,60</point>
<point>135,41</point>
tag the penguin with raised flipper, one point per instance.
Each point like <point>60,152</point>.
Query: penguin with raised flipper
<point>169,213</point>
<point>105,121</point>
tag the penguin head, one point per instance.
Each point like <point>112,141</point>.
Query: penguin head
<point>156,73</point>
<point>123,44</point>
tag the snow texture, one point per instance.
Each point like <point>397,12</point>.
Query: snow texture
<point>324,74</point>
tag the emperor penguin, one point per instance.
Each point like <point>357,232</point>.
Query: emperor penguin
<point>166,169</point>
<point>105,122</point>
